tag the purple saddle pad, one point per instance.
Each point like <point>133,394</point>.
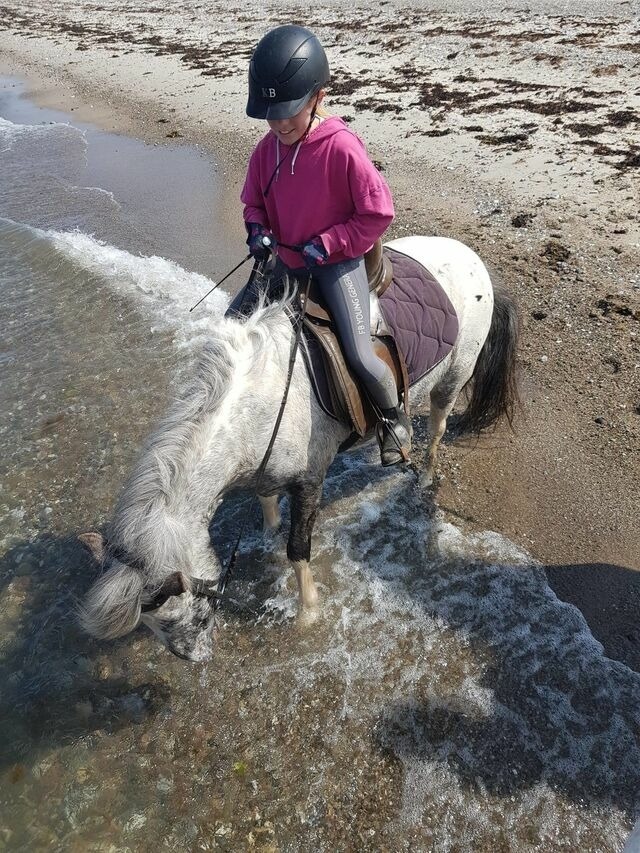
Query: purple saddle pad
<point>419,314</point>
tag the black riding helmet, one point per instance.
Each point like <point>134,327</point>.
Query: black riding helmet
<point>287,68</point>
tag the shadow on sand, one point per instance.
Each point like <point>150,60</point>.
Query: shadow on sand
<point>608,596</point>
<point>58,684</point>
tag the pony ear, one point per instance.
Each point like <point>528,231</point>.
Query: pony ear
<point>94,542</point>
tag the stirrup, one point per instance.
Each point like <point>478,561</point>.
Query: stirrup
<point>394,439</point>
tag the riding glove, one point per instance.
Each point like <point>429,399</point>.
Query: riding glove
<point>256,241</point>
<point>314,253</point>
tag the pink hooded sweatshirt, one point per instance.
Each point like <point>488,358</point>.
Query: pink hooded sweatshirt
<point>325,187</point>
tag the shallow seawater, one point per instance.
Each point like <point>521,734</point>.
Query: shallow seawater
<point>446,700</point>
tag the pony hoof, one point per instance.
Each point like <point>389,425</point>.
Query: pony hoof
<point>307,616</point>
<point>425,480</point>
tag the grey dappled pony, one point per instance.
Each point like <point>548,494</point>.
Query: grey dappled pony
<point>159,566</point>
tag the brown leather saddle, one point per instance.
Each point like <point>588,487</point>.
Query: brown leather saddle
<point>336,387</point>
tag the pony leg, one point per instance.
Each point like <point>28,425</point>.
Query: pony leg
<point>305,501</point>
<point>307,590</point>
<point>439,412</point>
<point>270,512</point>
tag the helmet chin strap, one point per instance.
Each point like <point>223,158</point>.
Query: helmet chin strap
<point>314,114</point>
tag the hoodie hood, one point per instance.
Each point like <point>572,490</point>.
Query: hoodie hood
<point>327,128</point>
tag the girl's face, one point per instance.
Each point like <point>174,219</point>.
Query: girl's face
<point>291,130</point>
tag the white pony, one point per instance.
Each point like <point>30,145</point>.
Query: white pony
<point>158,563</point>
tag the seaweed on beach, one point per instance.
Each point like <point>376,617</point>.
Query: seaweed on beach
<point>583,129</point>
<point>437,95</point>
<point>630,157</point>
<point>378,106</point>
<point>622,118</point>
<point>631,160</point>
<point>551,58</point>
<point>632,47</point>
<point>344,85</point>
<point>517,141</point>
<point>402,77</point>
<point>556,107</point>
<point>527,36</point>
<point>515,87</point>
<point>434,133</point>
<point>582,39</point>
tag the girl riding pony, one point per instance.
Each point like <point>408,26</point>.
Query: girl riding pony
<point>311,184</point>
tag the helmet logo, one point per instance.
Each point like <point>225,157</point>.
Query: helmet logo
<point>268,93</point>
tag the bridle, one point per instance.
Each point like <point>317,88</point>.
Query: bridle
<point>172,585</point>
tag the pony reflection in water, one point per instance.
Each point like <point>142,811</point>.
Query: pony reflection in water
<point>158,563</point>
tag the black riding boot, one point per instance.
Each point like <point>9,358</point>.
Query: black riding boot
<point>394,436</point>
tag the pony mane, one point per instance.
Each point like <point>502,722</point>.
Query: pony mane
<point>141,523</point>
<point>112,605</point>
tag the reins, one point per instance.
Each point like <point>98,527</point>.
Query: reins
<point>237,267</point>
<point>226,574</point>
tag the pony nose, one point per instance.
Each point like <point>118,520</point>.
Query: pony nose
<point>201,650</point>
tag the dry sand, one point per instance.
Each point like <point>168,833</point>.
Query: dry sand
<point>514,127</point>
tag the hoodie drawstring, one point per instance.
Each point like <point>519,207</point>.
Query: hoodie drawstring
<point>279,161</point>
<point>293,162</point>
<point>276,171</point>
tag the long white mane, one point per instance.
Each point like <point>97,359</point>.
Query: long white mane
<point>143,524</point>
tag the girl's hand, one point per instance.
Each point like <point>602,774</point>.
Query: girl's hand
<point>261,241</point>
<point>314,253</point>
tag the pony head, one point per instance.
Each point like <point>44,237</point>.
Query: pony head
<point>178,608</point>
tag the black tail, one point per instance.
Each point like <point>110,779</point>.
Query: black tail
<point>494,391</point>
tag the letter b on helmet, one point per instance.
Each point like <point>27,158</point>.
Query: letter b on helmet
<point>287,68</point>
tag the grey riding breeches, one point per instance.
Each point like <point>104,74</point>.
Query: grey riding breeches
<point>345,289</point>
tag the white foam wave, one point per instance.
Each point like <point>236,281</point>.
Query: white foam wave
<point>10,132</point>
<point>160,285</point>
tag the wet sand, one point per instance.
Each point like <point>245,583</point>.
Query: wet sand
<point>515,133</point>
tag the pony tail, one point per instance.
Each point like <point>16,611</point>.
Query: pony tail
<point>494,393</point>
<point>112,606</point>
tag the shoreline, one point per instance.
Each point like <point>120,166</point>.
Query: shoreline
<point>565,486</point>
